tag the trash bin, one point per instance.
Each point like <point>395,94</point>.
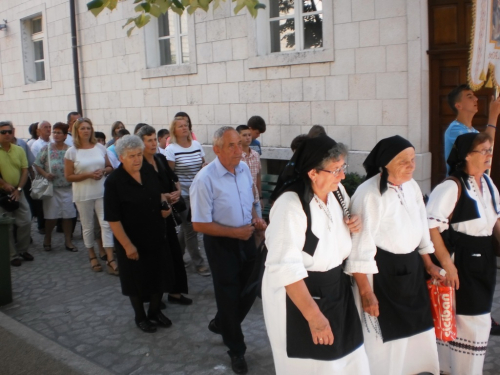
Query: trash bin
<point>5,281</point>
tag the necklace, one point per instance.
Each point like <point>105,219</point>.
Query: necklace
<point>325,209</point>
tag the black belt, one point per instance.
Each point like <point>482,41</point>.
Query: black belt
<point>332,292</point>
<point>401,290</point>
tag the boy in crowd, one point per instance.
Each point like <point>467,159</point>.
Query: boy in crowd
<point>464,103</point>
<point>257,127</point>
<point>252,159</point>
<point>162,136</point>
<point>101,138</point>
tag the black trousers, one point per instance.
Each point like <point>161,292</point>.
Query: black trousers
<point>231,262</point>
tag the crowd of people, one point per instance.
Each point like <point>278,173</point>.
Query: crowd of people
<point>344,281</point>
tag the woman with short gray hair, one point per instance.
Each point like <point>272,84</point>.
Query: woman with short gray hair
<point>136,214</point>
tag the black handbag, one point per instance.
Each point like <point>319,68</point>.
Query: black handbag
<point>7,203</point>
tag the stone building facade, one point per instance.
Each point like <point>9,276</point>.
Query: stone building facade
<point>367,80</point>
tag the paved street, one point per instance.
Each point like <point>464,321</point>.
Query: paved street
<point>79,322</point>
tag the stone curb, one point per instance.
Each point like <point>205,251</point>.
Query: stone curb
<point>49,347</point>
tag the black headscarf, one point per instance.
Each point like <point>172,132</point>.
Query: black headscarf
<point>309,154</point>
<point>381,155</point>
<point>459,151</point>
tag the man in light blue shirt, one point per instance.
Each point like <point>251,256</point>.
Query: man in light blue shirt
<point>464,103</point>
<point>222,209</point>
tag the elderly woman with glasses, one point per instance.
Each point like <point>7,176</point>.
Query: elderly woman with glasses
<point>463,214</point>
<point>134,209</point>
<point>386,262</point>
<point>309,309</point>
<point>50,164</point>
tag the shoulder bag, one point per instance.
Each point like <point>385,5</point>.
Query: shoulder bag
<point>41,188</point>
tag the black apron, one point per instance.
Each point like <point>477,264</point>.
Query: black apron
<point>401,290</point>
<point>475,261</point>
<point>332,292</point>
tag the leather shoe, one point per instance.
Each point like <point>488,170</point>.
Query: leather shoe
<point>213,328</point>
<point>26,256</point>
<point>16,262</point>
<point>160,320</point>
<point>181,300</point>
<point>146,326</point>
<point>238,364</point>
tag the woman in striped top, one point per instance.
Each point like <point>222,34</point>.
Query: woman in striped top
<point>186,157</point>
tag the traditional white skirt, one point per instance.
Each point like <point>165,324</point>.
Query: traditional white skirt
<point>465,355</point>
<point>274,306</point>
<point>407,356</point>
<point>60,205</point>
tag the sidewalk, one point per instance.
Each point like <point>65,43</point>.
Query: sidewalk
<point>66,319</point>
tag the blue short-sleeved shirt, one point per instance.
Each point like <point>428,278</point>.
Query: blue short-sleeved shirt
<point>221,197</point>
<point>255,145</point>
<point>454,130</point>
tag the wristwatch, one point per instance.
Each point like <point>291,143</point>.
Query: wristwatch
<point>19,189</point>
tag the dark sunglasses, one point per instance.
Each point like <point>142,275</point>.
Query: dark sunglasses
<point>3,132</point>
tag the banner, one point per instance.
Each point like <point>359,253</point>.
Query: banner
<point>484,59</point>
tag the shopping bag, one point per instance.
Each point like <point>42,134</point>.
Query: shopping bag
<point>442,309</point>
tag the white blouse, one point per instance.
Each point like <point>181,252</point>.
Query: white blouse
<point>442,202</point>
<point>395,221</point>
<point>87,161</point>
<point>285,238</point>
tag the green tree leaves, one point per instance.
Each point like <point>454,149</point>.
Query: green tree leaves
<point>155,8</point>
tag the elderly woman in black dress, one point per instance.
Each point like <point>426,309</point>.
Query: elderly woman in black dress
<point>134,209</point>
<point>170,181</point>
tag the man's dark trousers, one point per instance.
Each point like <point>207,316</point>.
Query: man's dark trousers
<point>231,262</point>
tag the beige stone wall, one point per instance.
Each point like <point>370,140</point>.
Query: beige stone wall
<point>376,86</point>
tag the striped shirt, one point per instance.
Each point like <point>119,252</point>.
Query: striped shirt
<point>252,159</point>
<point>188,162</point>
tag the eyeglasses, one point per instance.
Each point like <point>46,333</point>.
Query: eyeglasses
<point>3,132</point>
<point>337,171</point>
<point>488,151</point>
<point>57,133</point>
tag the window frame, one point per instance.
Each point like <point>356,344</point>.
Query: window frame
<point>259,41</point>
<point>38,37</point>
<point>27,49</point>
<point>152,67</point>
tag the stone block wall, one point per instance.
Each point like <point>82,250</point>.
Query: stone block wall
<point>376,86</point>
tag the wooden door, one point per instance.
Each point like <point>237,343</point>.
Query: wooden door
<point>450,23</point>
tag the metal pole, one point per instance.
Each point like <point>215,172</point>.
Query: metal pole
<point>74,45</point>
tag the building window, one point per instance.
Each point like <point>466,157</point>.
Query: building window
<point>35,48</point>
<point>37,40</point>
<point>173,38</point>
<point>169,43</point>
<point>291,32</point>
<point>295,28</point>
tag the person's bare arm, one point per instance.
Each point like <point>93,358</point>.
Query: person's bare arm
<point>444,258</point>
<point>69,172</point>
<point>15,194</point>
<point>218,230</point>
<point>496,230</point>
<point>494,111</point>
<point>320,326</point>
<point>368,298</point>
<point>121,236</point>
<point>171,164</point>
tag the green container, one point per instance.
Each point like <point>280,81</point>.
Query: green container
<point>5,280</point>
